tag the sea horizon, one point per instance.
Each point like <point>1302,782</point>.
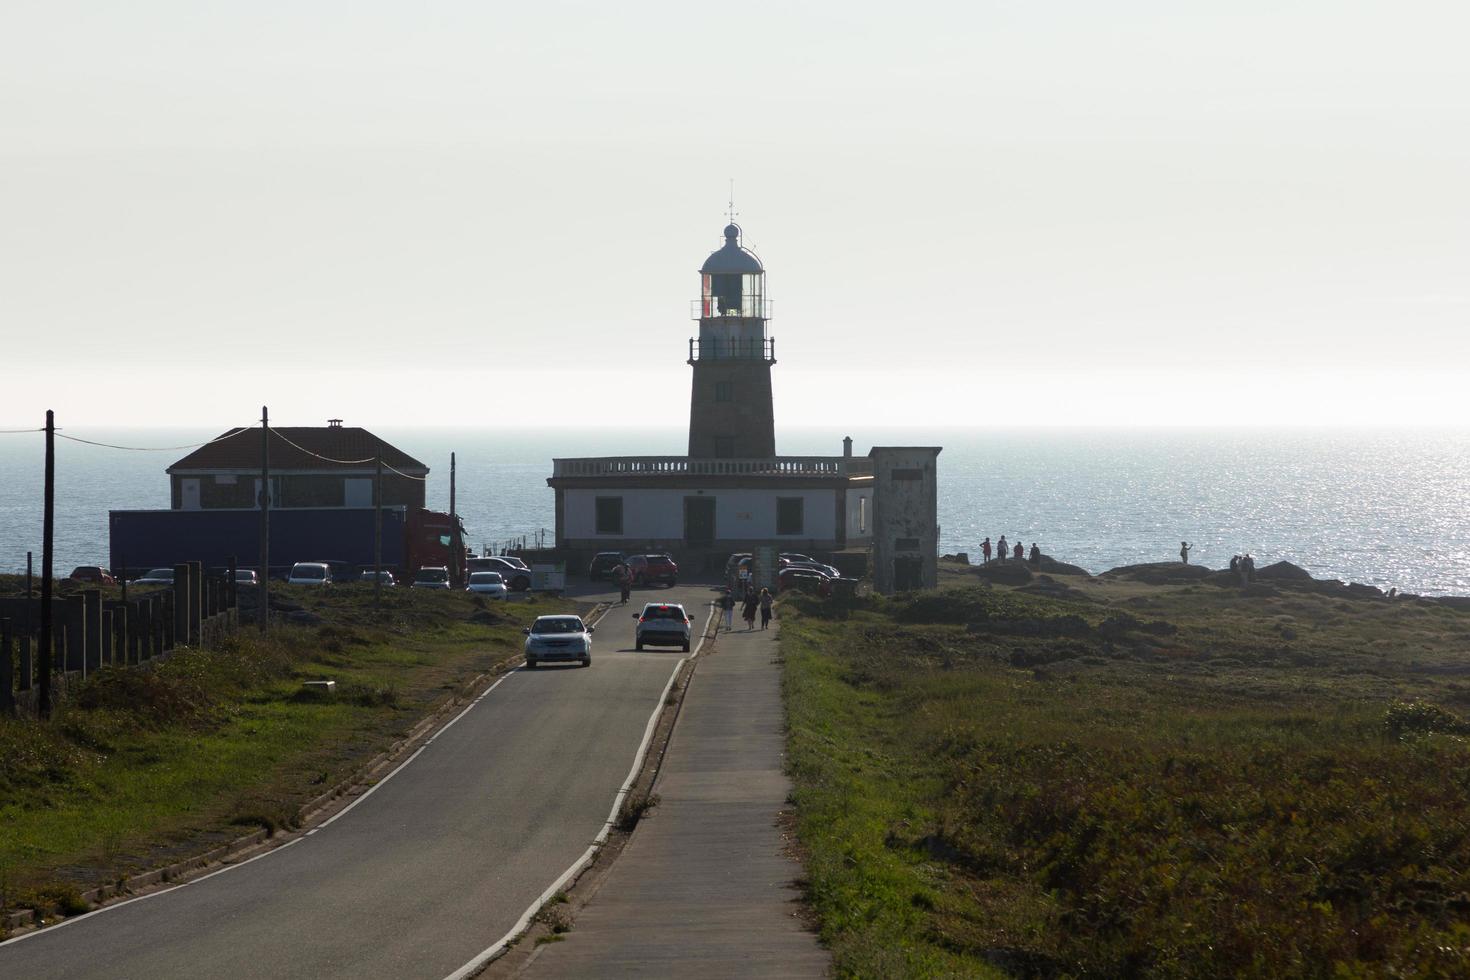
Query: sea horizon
<point>1382,505</point>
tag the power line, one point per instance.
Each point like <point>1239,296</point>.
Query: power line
<point>12,432</point>
<point>346,462</point>
<point>150,449</point>
<point>406,476</point>
<point>325,459</point>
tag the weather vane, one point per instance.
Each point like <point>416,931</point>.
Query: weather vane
<point>732,212</point>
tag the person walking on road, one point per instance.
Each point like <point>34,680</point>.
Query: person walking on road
<point>1001,550</point>
<point>624,576</point>
<point>727,607</point>
<point>1184,547</point>
<point>752,604</point>
<point>985,550</point>
<point>767,601</point>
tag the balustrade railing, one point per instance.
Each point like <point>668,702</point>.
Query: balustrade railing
<point>732,349</point>
<point>677,466</point>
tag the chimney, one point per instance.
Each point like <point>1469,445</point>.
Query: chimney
<point>337,424</point>
<point>847,447</point>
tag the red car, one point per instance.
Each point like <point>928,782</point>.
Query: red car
<point>649,569</point>
<point>95,574</point>
<point>804,580</point>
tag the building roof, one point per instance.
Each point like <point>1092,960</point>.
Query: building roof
<point>731,258</point>
<point>325,448</point>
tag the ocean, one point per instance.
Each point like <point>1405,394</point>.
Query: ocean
<point>1385,507</point>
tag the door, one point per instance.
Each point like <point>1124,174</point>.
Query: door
<point>189,491</point>
<point>699,521</point>
<point>908,574</point>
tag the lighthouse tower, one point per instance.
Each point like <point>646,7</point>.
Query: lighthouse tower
<point>730,410</point>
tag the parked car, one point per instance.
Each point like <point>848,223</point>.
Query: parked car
<point>558,638</point>
<point>246,576</point>
<point>662,624</point>
<point>603,564</point>
<point>95,574</point>
<point>487,583</point>
<point>804,580</point>
<point>653,569</point>
<point>814,566</point>
<point>430,577</point>
<point>734,563</point>
<point>384,576</point>
<point>342,571</point>
<point>310,573</point>
<point>156,576</point>
<point>792,556</point>
<point>514,571</point>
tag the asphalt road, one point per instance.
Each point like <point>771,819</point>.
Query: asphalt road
<point>424,873</point>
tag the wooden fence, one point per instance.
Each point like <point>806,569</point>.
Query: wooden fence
<point>90,631</point>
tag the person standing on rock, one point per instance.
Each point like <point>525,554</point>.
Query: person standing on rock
<point>1184,547</point>
<point>1001,551</point>
<point>1035,555</point>
<point>1020,551</point>
<point>985,550</point>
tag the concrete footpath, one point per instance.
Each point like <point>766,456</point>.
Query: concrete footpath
<point>704,888</point>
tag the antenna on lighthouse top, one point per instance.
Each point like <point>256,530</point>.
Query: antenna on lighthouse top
<point>732,211</point>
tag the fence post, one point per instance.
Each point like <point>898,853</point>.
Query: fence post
<point>104,638</point>
<point>196,602</point>
<point>27,668</point>
<point>168,620</point>
<point>92,604</point>
<point>75,617</point>
<point>181,604</point>
<point>7,678</point>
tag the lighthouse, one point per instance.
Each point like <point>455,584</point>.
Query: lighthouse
<point>730,407</point>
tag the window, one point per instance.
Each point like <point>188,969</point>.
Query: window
<point>725,447</point>
<point>789,513</point>
<point>724,391</point>
<point>609,515</point>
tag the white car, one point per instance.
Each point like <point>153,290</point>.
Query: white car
<point>662,624</point>
<point>487,583</point>
<point>246,576</point>
<point>515,573</point>
<point>558,638</point>
<point>430,577</point>
<point>310,573</point>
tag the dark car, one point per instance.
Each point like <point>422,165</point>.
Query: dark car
<point>653,569</point>
<point>95,574</point>
<point>603,564</point>
<point>804,580</point>
<point>513,571</point>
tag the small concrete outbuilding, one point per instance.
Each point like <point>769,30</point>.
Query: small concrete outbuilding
<point>905,518</point>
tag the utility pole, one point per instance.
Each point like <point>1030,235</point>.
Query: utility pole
<point>48,528</point>
<point>455,550</point>
<point>378,534</point>
<point>265,517</point>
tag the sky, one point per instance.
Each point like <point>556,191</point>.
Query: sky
<point>975,214</point>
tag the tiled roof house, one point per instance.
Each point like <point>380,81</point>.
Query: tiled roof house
<point>310,466</point>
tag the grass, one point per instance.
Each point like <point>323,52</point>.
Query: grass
<point>145,766</point>
<point>1134,780</point>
